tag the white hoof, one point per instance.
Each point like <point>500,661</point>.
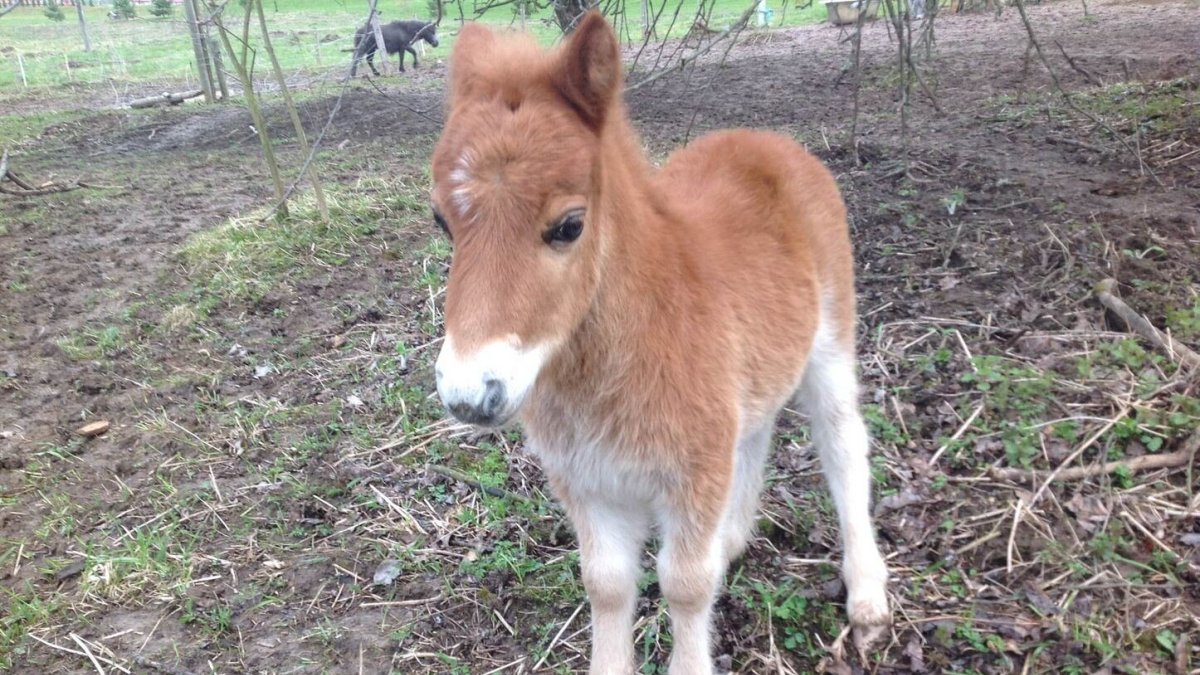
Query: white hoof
<point>867,605</point>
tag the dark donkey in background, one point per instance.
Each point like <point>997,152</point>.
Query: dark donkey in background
<point>398,36</point>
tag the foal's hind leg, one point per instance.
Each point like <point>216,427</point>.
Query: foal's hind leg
<point>738,526</point>
<point>829,394</point>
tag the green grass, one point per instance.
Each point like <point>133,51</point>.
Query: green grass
<point>150,49</point>
<point>93,343</point>
<point>245,258</point>
<point>21,126</point>
<point>310,35</point>
<point>802,625</point>
<point>24,609</point>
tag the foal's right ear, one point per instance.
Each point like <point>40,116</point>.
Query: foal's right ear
<point>473,43</point>
<point>590,73</point>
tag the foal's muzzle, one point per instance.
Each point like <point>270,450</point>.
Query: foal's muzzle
<point>488,385</point>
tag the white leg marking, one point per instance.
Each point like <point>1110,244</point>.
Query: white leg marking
<point>738,526</point>
<point>691,562</point>
<point>829,394</point>
<point>611,539</point>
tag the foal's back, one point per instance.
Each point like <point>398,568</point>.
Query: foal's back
<point>767,219</point>
<point>763,194</point>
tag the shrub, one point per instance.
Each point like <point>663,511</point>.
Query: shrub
<point>162,8</point>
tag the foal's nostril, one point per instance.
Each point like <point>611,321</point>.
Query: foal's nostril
<point>486,411</point>
<point>463,411</point>
<point>493,397</point>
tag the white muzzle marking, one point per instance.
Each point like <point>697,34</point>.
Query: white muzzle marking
<point>488,386</point>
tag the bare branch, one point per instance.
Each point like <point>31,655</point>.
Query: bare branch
<point>1037,47</point>
<point>1078,68</point>
<point>732,30</point>
<point>1174,350</point>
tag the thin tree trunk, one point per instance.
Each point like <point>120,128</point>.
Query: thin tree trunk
<point>189,14</point>
<point>206,46</point>
<point>214,50</point>
<point>858,26</point>
<point>242,67</point>
<point>380,45</point>
<point>318,192</point>
<point>87,39</point>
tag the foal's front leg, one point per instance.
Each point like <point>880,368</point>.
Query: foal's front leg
<point>691,563</point>
<point>611,539</point>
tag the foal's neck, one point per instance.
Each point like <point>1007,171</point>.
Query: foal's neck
<point>642,257</point>
<point>630,206</point>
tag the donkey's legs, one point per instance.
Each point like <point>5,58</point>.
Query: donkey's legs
<point>829,394</point>
<point>371,61</point>
<point>611,540</point>
<point>738,525</point>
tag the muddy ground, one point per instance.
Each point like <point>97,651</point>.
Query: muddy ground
<point>274,438</point>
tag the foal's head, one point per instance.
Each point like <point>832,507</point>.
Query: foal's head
<point>515,186</point>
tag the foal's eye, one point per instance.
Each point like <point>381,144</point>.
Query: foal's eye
<point>441,222</point>
<point>566,230</point>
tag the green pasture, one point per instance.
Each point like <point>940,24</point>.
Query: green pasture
<point>309,36</point>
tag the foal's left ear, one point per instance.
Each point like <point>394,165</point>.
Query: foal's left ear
<point>590,74</point>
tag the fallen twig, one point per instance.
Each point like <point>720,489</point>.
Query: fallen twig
<point>25,189</point>
<point>553,642</point>
<point>1170,460</point>
<point>21,182</point>
<point>91,657</point>
<point>165,98</point>
<point>1174,350</point>
<point>962,429</point>
<point>468,480</point>
<point>1143,463</point>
